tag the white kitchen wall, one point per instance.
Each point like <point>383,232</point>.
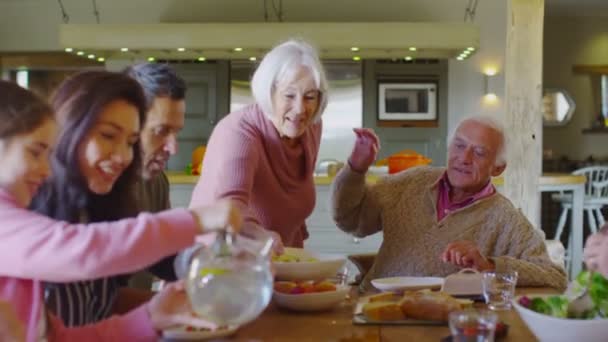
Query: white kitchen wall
<point>465,78</point>
<point>569,41</point>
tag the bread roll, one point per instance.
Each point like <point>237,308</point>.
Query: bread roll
<point>384,297</point>
<point>383,311</point>
<point>433,306</point>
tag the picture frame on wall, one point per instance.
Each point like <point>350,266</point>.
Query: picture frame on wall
<point>410,103</point>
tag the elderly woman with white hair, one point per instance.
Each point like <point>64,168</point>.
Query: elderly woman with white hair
<point>263,155</point>
<point>437,220</point>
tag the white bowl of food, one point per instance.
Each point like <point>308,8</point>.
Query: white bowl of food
<point>309,296</point>
<point>299,264</point>
<point>554,329</point>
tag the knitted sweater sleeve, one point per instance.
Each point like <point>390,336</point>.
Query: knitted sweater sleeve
<point>355,206</point>
<point>527,254</point>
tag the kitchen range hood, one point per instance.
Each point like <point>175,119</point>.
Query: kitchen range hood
<point>251,40</point>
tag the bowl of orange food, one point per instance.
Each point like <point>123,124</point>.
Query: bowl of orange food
<point>309,295</point>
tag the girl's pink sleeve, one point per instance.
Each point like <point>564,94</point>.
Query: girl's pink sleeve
<point>134,326</point>
<point>34,246</point>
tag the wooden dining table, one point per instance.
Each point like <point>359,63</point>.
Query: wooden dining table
<point>277,324</point>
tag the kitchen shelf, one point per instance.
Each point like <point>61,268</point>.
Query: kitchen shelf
<point>595,130</point>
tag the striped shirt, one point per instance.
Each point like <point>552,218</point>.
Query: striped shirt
<point>83,302</point>
<point>90,301</point>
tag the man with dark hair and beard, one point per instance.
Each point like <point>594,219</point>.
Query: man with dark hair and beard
<point>165,95</point>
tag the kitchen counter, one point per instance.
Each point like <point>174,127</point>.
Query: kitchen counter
<point>176,177</point>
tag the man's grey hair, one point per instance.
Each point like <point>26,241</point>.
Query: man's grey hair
<point>490,122</point>
<point>282,63</point>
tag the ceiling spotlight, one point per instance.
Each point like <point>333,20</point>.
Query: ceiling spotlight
<point>151,59</point>
<point>91,56</point>
<point>80,53</point>
<point>356,58</point>
<point>460,58</point>
<point>124,49</point>
<point>101,59</point>
<point>253,59</point>
<point>201,59</point>
<point>238,49</point>
<point>471,48</point>
<point>413,48</point>
<point>181,49</point>
<point>408,58</point>
<point>69,49</point>
<point>354,49</point>
<point>466,52</point>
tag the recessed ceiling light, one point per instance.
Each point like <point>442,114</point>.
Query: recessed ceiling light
<point>408,58</point>
<point>91,56</point>
<point>151,59</point>
<point>124,49</point>
<point>471,48</point>
<point>80,53</point>
<point>356,58</point>
<point>238,49</point>
<point>466,52</point>
<point>413,48</point>
<point>201,59</point>
<point>459,58</point>
<point>181,49</point>
<point>354,49</point>
<point>253,59</point>
<point>101,59</point>
<point>69,49</point>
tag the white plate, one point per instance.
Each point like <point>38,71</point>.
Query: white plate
<point>326,266</point>
<point>407,283</point>
<point>315,301</point>
<point>182,334</point>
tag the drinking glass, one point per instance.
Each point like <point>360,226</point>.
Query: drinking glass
<point>473,325</point>
<point>499,289</point>
<point>230,282</point>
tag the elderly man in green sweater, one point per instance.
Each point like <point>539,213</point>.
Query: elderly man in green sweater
<point>437,220</point>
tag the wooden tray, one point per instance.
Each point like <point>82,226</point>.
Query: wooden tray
<point>360,319</point>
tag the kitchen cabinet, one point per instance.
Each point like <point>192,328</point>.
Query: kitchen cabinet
<point>325,236</point>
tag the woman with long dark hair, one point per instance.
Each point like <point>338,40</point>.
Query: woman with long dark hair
<point>94,168</point>
<point>35,248</point>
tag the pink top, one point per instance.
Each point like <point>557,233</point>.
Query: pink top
<point>445,206</point>
<point>35,248</point>
<point>247,161</point>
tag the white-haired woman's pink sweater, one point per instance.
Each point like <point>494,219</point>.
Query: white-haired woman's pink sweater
<point>35,248</point>
<point>247,161</point>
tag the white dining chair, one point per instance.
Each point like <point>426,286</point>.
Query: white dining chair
<point>596,196</point>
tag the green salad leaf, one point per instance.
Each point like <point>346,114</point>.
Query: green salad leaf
<point>557,306</point>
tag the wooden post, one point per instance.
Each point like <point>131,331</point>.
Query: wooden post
<point>523,92</point>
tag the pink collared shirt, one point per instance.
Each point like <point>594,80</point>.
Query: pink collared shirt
<point>446,206</point>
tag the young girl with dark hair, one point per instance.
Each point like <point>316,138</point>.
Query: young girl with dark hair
<point>35,248</point>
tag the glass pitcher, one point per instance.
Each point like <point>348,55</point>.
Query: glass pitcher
<point>230,282</point>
